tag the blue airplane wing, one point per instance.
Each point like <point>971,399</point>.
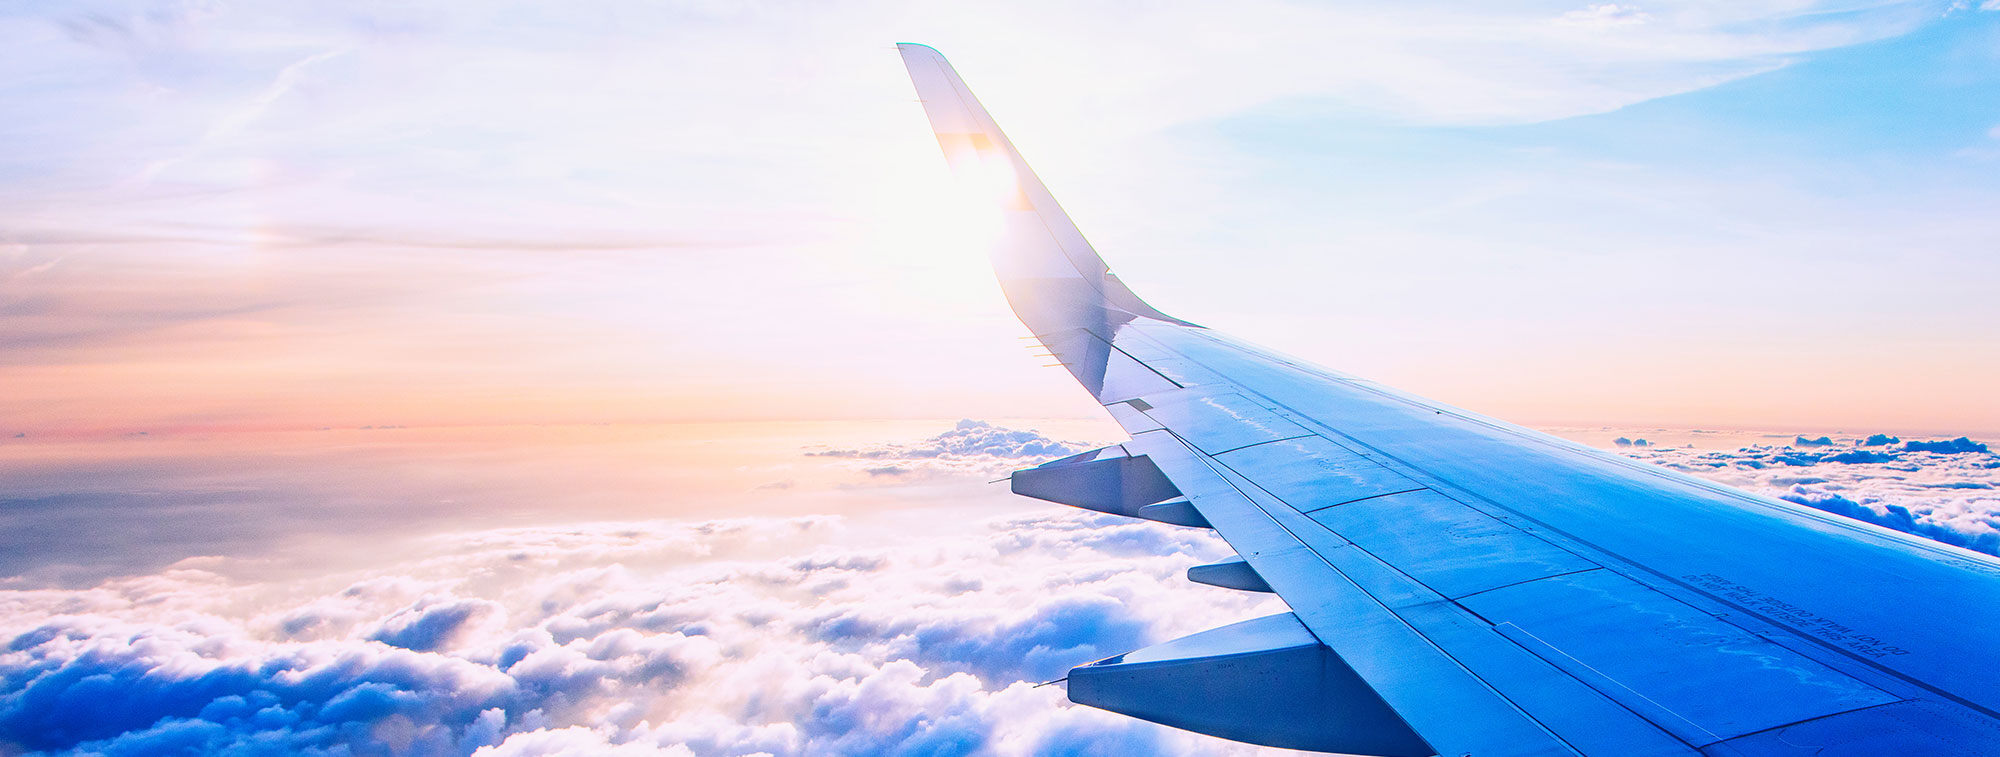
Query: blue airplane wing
<point>1460,585</point>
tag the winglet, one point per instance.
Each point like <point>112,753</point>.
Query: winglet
<point>1053,278</point>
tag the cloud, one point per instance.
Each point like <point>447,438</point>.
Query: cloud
<point>431,624</point>
<point>577,641</point>
<point>1858,456</point>
<point>233,122</point>
<point>968,440</point>
<point>1944,490</point>
<point>325,113</point>
<point>1605,16</point>
<point>920,632</point>
<point>1948,446</point>
<point>274,149</point>
<point>970,446</point>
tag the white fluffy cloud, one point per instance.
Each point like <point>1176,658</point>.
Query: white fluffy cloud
<point>607,640</point>
<point>1946,489</point>
<point>915,632</point>
<point>969,447</point>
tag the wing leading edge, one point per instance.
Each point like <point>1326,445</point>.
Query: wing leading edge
<point>1460,585</point>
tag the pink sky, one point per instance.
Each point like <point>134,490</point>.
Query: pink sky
<point>469,216</point>
<point>109,339</point>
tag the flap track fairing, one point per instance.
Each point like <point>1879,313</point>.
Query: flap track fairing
<point>1108,480</point>
<point>1267,681</point>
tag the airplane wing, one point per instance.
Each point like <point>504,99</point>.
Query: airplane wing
<point>1460,585</point>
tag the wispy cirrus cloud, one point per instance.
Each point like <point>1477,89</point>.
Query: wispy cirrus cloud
<point>474,166</point>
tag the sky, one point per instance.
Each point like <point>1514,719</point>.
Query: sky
<point>292,215</point>
<point>482,377</point>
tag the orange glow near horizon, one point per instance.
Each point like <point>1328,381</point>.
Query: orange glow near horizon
<point>897,322</point>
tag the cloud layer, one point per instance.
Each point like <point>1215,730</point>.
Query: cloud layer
<point>912,631</point>
<point>603,639</point>
<point>970,446</point>
<point>1944,489</point>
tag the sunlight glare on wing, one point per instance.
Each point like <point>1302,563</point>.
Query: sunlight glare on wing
<point>989,179</point>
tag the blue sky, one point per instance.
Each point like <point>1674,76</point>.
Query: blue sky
<point>1830,216</point>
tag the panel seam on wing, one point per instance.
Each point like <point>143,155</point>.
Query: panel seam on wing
<point>1216,468</point>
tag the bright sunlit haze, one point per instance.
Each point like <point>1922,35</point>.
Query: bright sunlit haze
<point>290,216</point>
